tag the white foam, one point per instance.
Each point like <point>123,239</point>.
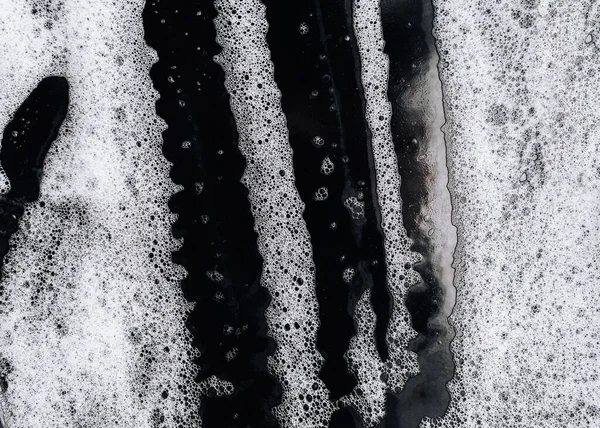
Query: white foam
<point>520,84</point>
<point>92,316</point>
<point>376,377</point>
<point>283,240</point>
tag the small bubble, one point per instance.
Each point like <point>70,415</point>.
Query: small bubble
<point>321,194</point>
<point>348,275</point>
<point>303,28</point>
<point>318,141</point>
<point>327,166</point>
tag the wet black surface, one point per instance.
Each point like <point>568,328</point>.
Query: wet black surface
<point>345,417</point>
<point>407,27</point>
<point>25,143</point>
<point>220,251</point>
<point>317,69</point>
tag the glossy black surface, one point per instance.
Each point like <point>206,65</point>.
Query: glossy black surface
<point>220,251</point>
<point>317,69</point>
<point>407,27</point>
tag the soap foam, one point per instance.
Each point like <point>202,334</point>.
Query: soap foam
<point>375,377</point>
<point>92,317</point>
<point>520,86</point>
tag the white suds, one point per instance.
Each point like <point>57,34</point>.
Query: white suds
<point>376,377</point>
<point>283,240</point>
<point>92,316</point>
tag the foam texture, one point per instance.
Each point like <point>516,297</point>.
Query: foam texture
<point>520,86</point>
<point>376,378</point>
<point>92,317</point>
<point>283,240</point>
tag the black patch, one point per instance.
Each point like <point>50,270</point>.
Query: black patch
<point>25,143</point>
<point>220,250</point>
<point>27,138</point>
<point>346,417</point>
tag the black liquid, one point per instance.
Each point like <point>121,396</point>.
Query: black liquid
<point>407,27</point>
<point>317,69</point>
<point>25,143</point>
<point>28,136</point>
<point>220,250</point>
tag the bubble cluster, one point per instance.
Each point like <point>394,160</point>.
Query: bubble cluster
<point>355,207</point>
<point>321,194</point>
<point>348,275</point>
<point>92,317</point>
<point>303,28</point>
<point>318,141</point>
<point>283,240</point>
<point>519,79</point>
<point>327,166</point>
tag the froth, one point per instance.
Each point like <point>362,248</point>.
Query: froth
<point>92,322</point>
<point>376,378</point>
<point>519,79</point>
<point>283,240</point>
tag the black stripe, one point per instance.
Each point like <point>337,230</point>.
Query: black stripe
<point>25,143</point>
<point>314,49</point>
<point>216,222</point>
<point>407,27</point>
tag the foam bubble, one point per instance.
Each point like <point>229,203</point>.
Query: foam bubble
<point>376,378</point>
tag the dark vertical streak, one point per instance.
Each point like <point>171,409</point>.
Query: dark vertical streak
<point>219,251</point>
<point>407,28</point>
<point>317,69</point>
<point>25,143</point>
